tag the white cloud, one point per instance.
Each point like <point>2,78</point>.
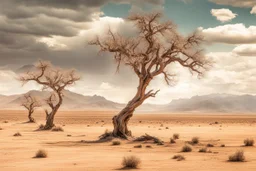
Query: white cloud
<point>223,14</point>
<point>253,11</point>
<point>245,50</point>
<point>230,34</point>
<point>236,3</point>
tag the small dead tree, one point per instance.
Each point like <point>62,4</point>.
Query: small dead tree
<point>156,46</point>
<point>55,79</point>
<point>30,103</point>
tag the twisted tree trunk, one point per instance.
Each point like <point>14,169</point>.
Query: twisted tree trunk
<point>31,119</point>
<point>121,120</point>
<point>50,116</point>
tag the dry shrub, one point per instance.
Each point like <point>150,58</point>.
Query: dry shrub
<point>209,145</point>
<point>248,142</point>
<point>116,142</point>
<point>222,145</point>
<point>138,146</point>
<point>172,141</point>
<point>186,148</point>
<point>17,134</point>
<point>202,150</point>
<point>195,140</point>
<point>237,157</point>
<point>176,136</point>
<point>5,122</point>
<point>107,134</point>
<point>131,162</point>
<point>148,146</point>
<point>57,129</point>
<point>41,154</point>
<point>1,128</point>
<point>178,157</point>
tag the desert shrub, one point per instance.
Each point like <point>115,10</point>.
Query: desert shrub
<point>186,148</point>
<point>202,150</point>
<point>148,146</point>
<point>138,146</point>
<point>248,142</point>
<point>41,154</point>
<point>131,162</point>
<point>5,122</point>
<point>176,136</point>
<point>195,140</point>
<point>237,157</point>
<point>209,145</point>
<point>69,135</point>
<point>57,129</point>
<point>116,142</point>
<point>172,141</point>
<point>222,145</point>
<point>1,128</point>
<point>17,134</point>
<point>106,134</point>
<point>178,157</point>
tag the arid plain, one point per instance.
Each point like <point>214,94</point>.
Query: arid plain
<point>67,151</point>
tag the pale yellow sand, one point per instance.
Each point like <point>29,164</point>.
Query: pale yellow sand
<point>68,153</point>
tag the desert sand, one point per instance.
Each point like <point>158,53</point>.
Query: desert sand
<point>69,153</point>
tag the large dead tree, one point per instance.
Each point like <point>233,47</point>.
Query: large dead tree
<point>30,103</point>
<point>54,79</point>
<point>156,46</point>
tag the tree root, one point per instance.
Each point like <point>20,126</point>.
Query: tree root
<point>147,137</point>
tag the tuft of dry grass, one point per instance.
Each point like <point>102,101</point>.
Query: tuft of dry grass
<point>1,128</point>
<point>131,162</point>
<point>116,142</point>
<point>148,146</point>
<point>222,145</point>
<point>195,140</point>
<point>5,122</point>
<point>209,145</point>
<point>176,136</point>
<point>186,148</point>
<point>17,134</point>
<point>248,142</point>
<point>178,157</point>
<point>41,154</point>
<point>172,141</point>
<point>202,150</point>
<point>138,146</point>
<point>237,157</point>
<point>57,129</point>
<point>41,127</point>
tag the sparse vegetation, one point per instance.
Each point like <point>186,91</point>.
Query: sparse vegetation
<point>57,129</point>
<point>237,157</point>
<point>172,141</point>
<point>116,142</point>
<point>131,162</point>
<point>176,136</point>
<point>202,150</point>
<point>178,157</point>
<point>17,134</point>
<point>222,145</point>
<point>195,140</point>
<point>138,146</point>
<point>105,135</point>
<point>186,148</point>
<point>209,145</point>
<point>41,154</point>
<point>248,142</point>
<point>148,146</point>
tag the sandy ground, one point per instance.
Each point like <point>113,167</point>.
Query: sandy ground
<point>69,153</point>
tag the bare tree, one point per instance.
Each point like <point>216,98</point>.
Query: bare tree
<point>30,103</point>
<point>55,79</point>
<point>156,46</point>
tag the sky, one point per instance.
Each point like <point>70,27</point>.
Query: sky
<point>59,31</point>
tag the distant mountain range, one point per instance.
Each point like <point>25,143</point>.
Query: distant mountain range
<point>213,103</point>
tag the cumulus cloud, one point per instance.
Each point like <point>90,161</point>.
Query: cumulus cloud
<point>236,3</point>
<point>230,34</point>
<point>245,50</point>
<point>253,11</point>
<point>223,14</point>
